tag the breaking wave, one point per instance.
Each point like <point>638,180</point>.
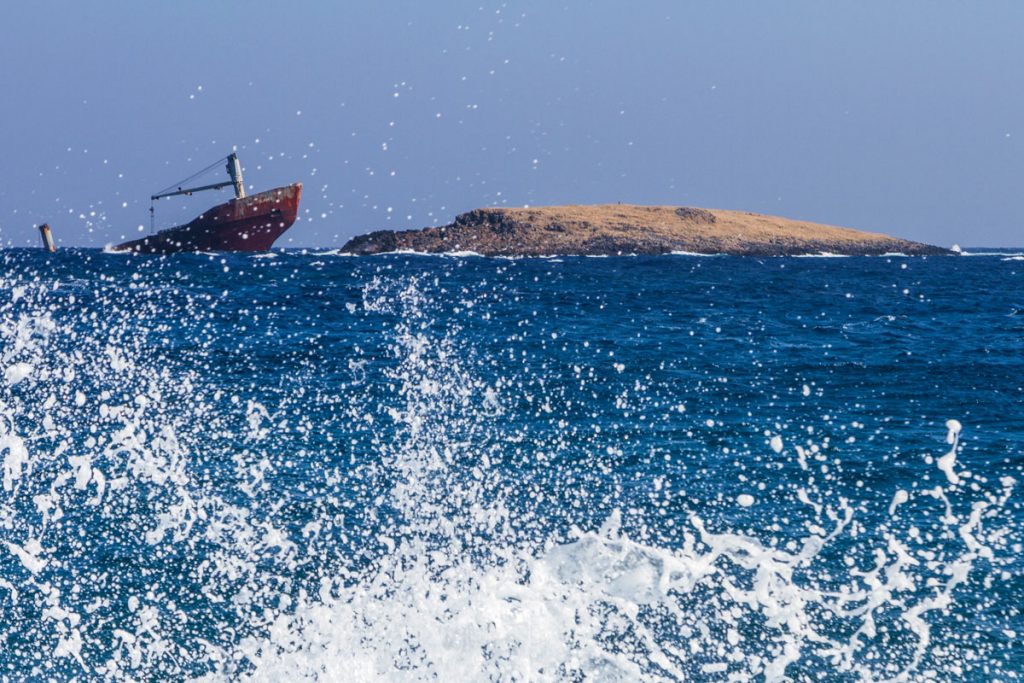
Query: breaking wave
<point>407,503</point>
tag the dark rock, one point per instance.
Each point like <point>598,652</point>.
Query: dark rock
<point>695,215</point>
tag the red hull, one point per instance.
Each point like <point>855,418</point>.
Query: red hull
<point>249,224</point>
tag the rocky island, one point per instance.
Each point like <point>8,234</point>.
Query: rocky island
<point>612,229</point>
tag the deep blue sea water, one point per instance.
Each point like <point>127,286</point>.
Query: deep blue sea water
<point>306,466</point>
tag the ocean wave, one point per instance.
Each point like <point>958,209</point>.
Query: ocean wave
<point>221,482</point>
<point>333,252</point>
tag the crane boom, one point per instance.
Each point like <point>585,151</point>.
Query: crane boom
<point>234,168</point>
<point>190,190</point>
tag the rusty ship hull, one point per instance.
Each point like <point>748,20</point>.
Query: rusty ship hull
<point>249,224</point>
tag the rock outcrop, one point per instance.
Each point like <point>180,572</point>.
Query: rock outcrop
<point>612,229</point>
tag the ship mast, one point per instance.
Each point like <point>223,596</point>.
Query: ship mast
<point>235,171</point>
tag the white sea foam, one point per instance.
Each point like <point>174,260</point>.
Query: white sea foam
<point>334,252</point>
<point>598,604</point>
<point>461,253</point>
<point>16,373</point>
<point>63,482</point>
<point>947,462</point>
<point>406,252</point>
<point>463,586</point>
<point>899,498</point>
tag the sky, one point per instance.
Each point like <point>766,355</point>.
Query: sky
<point>905,118</point>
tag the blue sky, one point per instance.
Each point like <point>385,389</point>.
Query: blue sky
<point>902,117</point>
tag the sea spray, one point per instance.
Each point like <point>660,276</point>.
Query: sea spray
<point>110,532</point>
<point>468,593</point>
<point>477,469</point>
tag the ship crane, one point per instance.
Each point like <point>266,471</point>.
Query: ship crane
<point>234,168</point>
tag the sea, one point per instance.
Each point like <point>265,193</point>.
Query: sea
<point>301,465</point>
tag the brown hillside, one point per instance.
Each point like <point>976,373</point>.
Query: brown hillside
<point>611,229</point>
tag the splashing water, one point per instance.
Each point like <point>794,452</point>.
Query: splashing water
<point>471,469</point>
